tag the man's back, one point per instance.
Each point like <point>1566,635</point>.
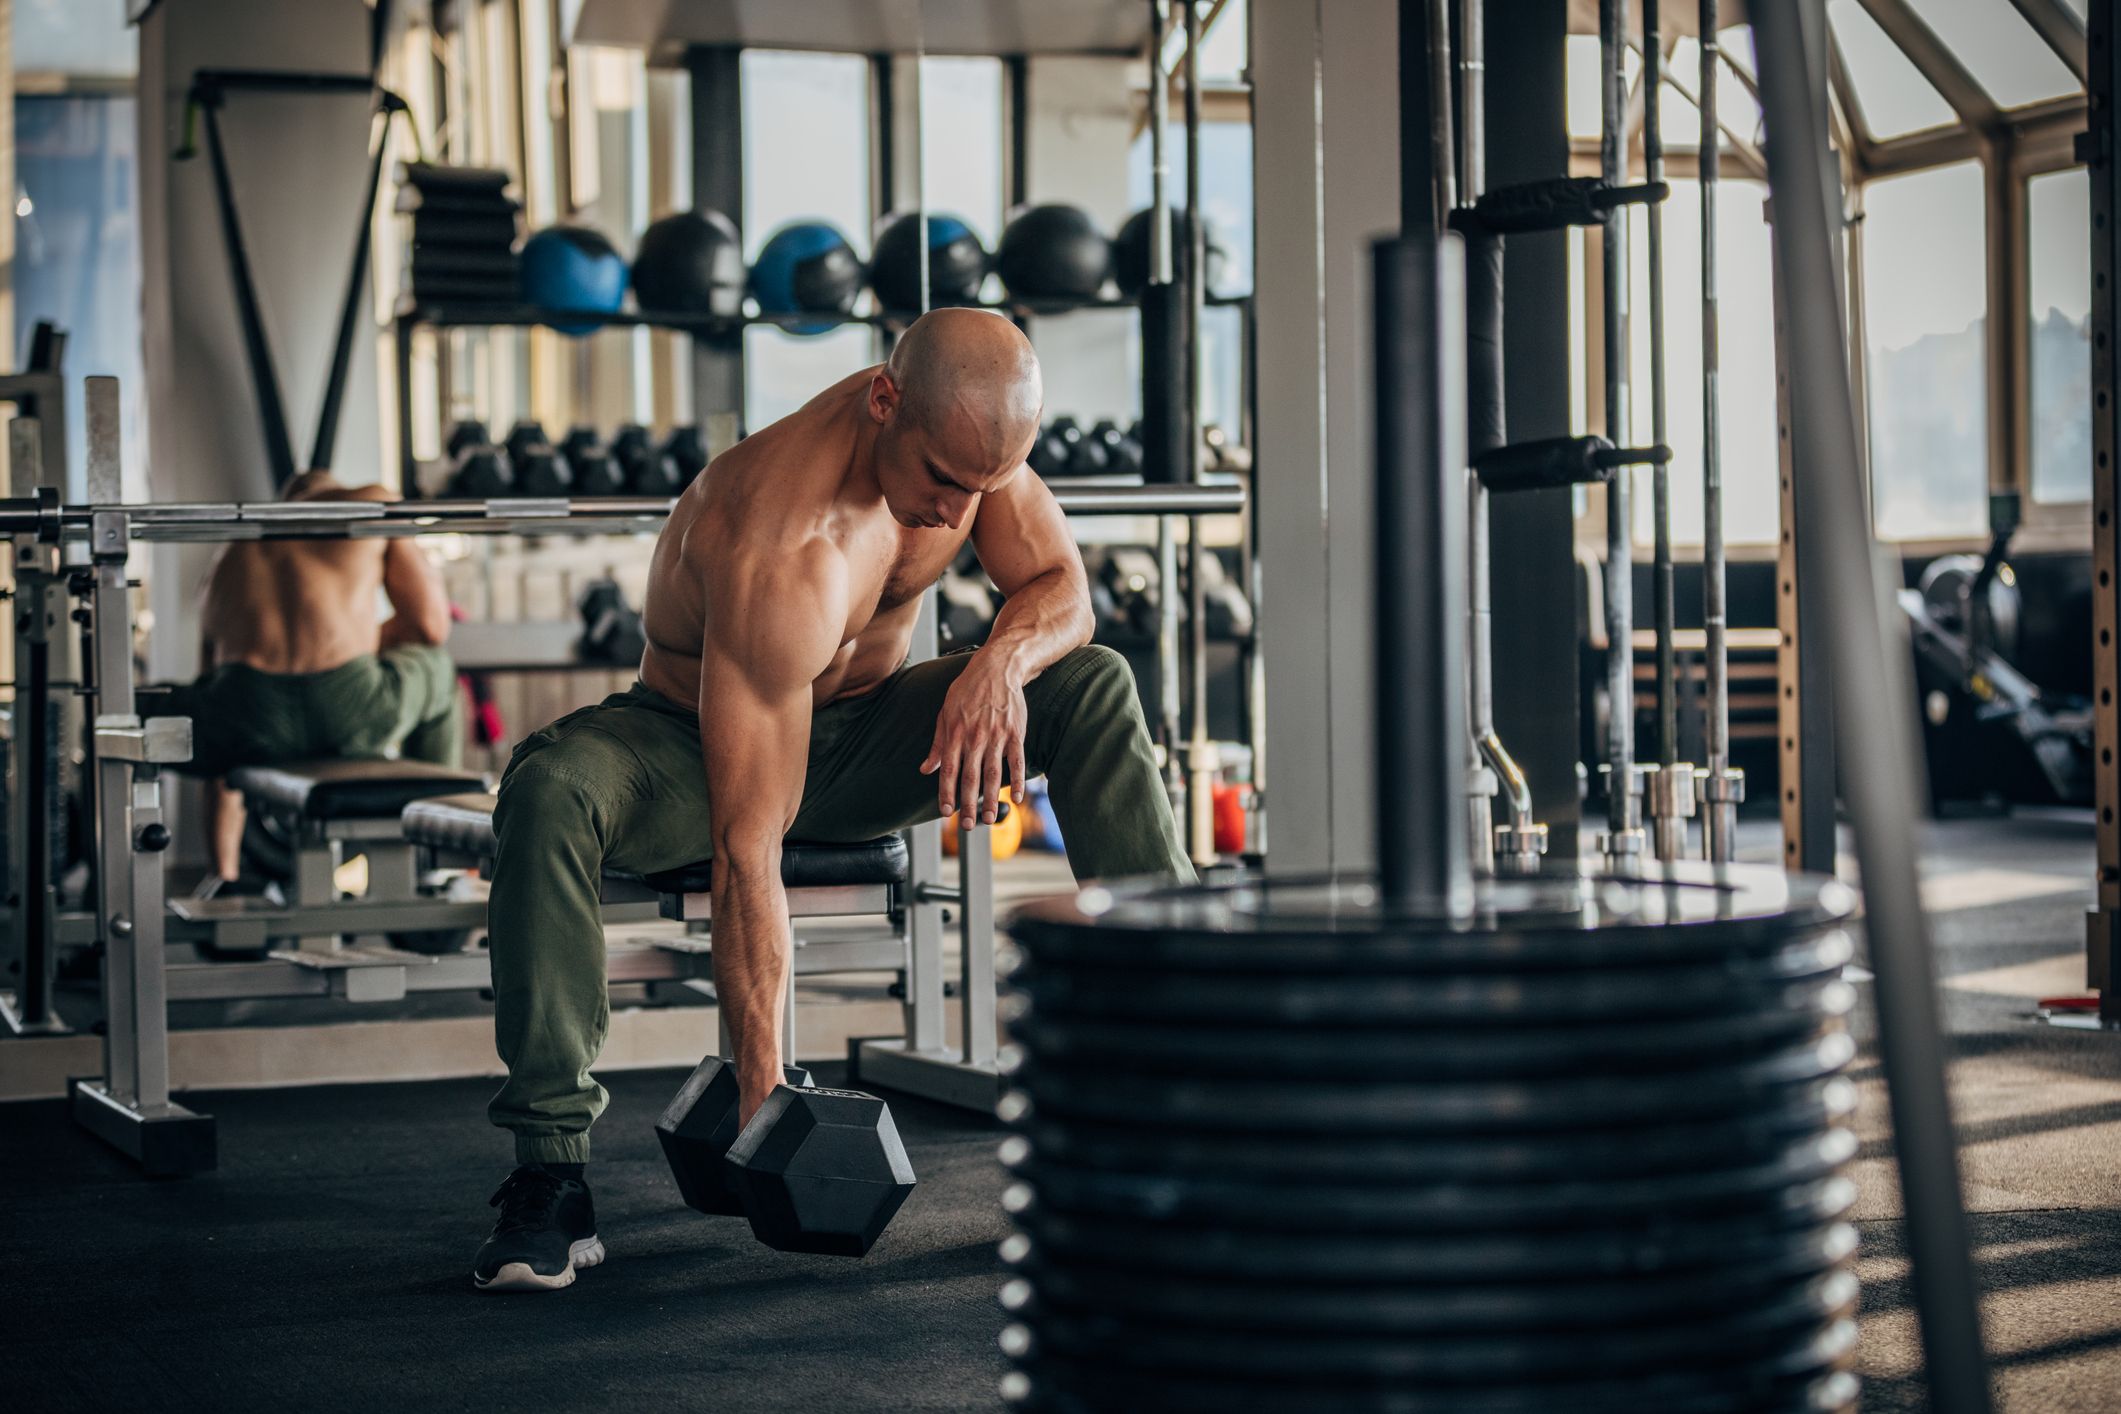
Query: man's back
<point>308,606</point>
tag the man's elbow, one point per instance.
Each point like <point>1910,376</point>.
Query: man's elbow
<point>747,853</point>
<point>429,628</point>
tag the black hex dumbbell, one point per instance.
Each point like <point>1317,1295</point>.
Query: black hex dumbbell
<point>481,473</point>
<point>816,1170</point>
<point>539,467</point>
<point>648,468</point>
<point>596,473</point>
<point>688,450</point>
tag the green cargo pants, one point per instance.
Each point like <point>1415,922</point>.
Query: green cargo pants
<point>621,784</point>
<point>401,699</point>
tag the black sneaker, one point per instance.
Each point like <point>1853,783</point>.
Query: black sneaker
<point>548,1227</point>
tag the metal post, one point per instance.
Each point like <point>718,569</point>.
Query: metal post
<point>1423,861</point>
<point>130,1107</point>
<point>978,1044</point>
<point>1721,787</point>
<point>1442,141</point>
<point>1517,847</point>
<point>1873,700</point>
<point>2103,140</point>
<point>1200,756</point>
<point>1622,841</point>
<point>39,608</point>
<point>1669,790</point>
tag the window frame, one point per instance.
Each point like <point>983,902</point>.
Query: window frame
<point>2064,525</point>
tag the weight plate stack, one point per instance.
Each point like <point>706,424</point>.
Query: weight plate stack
<point>1584,1150</point>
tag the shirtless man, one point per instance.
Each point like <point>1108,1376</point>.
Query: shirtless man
<point>298,668</point>
<point>775,701</point>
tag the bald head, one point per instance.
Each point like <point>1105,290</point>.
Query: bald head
<point>969,379</point>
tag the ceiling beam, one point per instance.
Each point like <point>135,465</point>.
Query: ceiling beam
<point>1937,63</point>
<point>2059,26</point>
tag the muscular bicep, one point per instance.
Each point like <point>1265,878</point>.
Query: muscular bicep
<point>1021,535</point>
<point>769,631</point>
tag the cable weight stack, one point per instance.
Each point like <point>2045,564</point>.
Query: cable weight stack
<point>1584,1150</point>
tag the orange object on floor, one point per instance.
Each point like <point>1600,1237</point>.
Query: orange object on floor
<point>1230,818</point>
<point>1004,840</point>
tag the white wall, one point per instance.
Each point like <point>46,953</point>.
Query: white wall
<point>299,168</point>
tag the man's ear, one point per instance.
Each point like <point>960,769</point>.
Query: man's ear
<point>884,399</point>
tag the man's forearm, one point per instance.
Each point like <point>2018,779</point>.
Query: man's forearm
<point>1040,624</point>
<point>751,967</point>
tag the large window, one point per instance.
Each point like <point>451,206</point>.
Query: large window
<point>2058,338</point>
<point>806,158</point>
<point>1925,308</point>
<point>961,129</point>
<point>1890,90</point>
<point>1746,359</point>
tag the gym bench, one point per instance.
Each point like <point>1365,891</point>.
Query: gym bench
<point>823,881</point>
<point>329,812</point>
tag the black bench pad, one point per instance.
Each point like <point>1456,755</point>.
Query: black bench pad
<point>348,790</point>
<point>464,824</point>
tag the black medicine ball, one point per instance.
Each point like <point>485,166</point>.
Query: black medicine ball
<point>690,263</point>
<point>1054,252</point>
<point>1130,252</point>
<point>957,263</point>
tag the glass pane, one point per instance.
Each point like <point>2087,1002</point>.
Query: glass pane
<point>1581,58</point>
<point>1746,349</point>
<point>1225,192</point>
<point>961,124</point>
<point>82,38</point>
<point>1999,49</point>
<point>1224,48</point>
<point>806,158</point>
<point>1924,309</point>
<point>77,253</point>
<point>1736,110</point>
<point>806,143</point>
<point>2059,306</point>
<point>1891,92</point>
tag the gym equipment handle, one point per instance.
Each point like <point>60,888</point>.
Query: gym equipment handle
<point>1560,461</point>
<point>1556,203</point>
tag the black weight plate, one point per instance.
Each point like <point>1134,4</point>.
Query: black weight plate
<point>1729,985</point>
<point>1808,1379</point>
<point>1570,923</point>
<point>1468,1301</point>
<point>1765,1330</point>
<point>1325,1052</point>
<point>1650,1243</point>
<point>1350,1106</point>
<point>1427,1207</point>
<point>1674,1147</point>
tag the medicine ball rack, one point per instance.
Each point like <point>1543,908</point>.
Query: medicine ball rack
<point>67,551</point>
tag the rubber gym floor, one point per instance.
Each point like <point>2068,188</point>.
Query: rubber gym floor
<point>325,1264</point>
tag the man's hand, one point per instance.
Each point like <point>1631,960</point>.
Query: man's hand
<point>979,736</point>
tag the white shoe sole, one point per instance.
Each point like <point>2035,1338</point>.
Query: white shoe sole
<point>517,1276</point>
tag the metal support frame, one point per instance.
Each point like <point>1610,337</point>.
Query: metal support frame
<point>2102,154</point>
<point>1719,786</point>
<point>1803,679</point>
<point>1874,709</point>
<point>129,1107</point>
<point>1621,843</point>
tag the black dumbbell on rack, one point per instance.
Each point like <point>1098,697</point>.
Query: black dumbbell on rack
<point>596,472</point>
<point>540,469</point>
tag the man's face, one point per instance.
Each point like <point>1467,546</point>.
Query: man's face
<point>930,476</point>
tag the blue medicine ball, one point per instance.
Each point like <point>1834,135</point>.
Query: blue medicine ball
<point>573,268</point>
<point>807,268</point>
